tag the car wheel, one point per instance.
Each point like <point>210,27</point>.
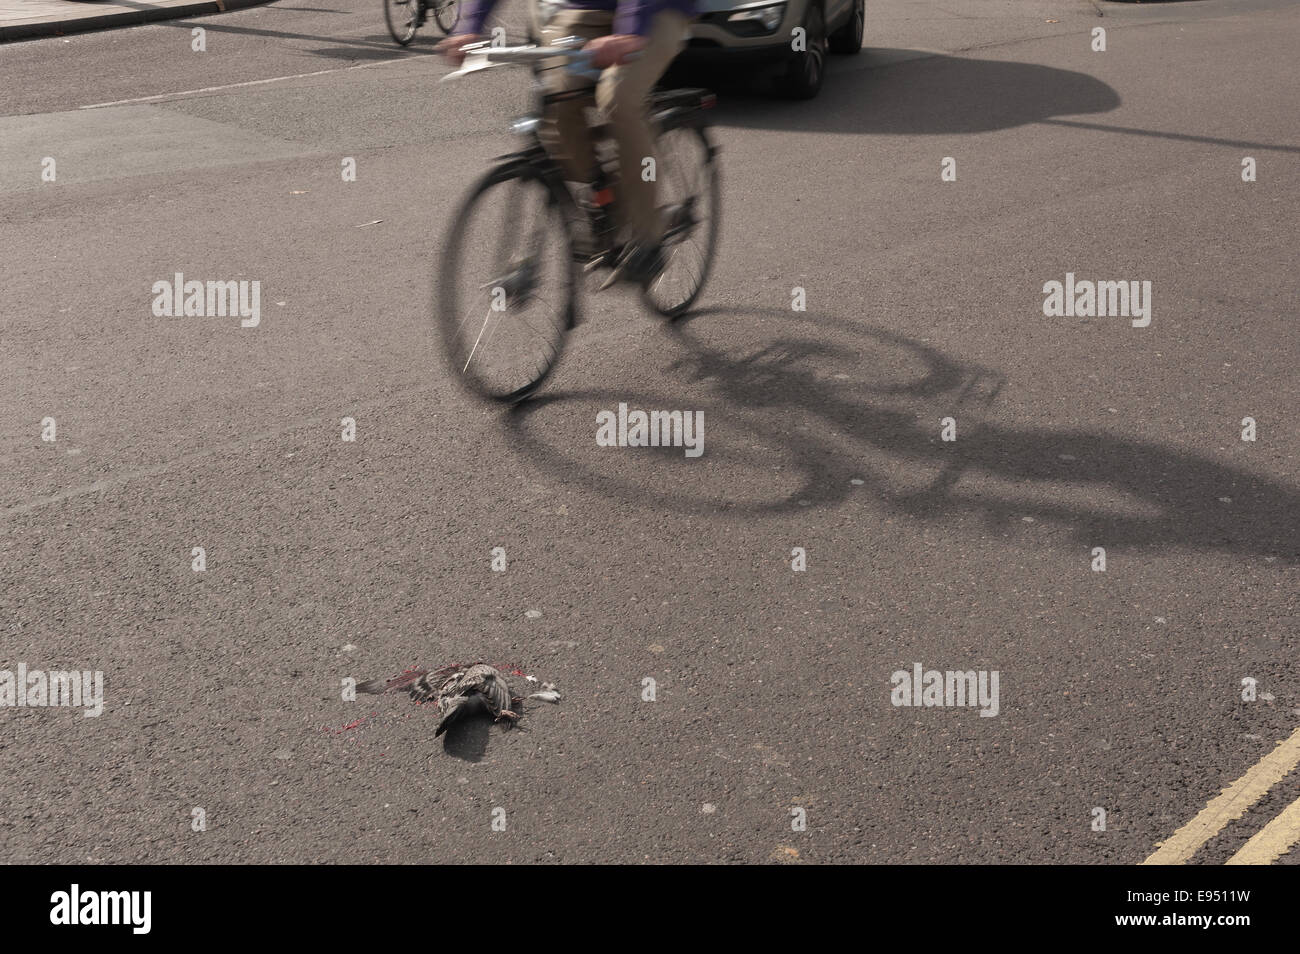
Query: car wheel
<point>848,38</point>
<point>806,70</point>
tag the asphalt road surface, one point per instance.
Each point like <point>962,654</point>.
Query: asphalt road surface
<point>1142,691</point>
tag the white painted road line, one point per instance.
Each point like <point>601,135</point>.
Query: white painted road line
<point>216,89</point>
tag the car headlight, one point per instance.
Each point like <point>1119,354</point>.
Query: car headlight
<point>769,17</point>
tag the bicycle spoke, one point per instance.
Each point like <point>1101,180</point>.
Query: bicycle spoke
<point>687,191</point>
<point>506,235</point>
<point>476,341</point>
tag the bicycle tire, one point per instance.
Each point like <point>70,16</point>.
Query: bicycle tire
<point>516,289</point>
<point>400,29</point>
<point>655,294</point>
<point>446,15</point>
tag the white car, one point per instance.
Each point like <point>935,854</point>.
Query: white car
<point>763,32</point>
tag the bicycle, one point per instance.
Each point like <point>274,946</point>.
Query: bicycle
<point>546,232</point>
<point>404,17</point>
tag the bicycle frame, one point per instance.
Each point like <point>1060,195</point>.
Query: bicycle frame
<point>592,232</point>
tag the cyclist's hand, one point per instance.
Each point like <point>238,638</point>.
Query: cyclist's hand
<point>453,47</point>
<point>612,50</point>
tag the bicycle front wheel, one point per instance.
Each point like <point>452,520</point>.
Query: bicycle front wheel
<point>507,283</point>
<point>403,18</point>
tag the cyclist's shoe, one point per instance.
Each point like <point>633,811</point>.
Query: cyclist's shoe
<point>640,264</point>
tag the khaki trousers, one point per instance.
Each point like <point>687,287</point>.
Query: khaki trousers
<point>621,94</point>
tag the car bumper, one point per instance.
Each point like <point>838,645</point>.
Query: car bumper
<point>707,51</point>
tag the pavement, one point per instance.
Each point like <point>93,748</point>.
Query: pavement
<point>718,705</point>
<point>29,19</point>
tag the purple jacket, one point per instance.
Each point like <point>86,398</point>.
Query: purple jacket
<point>630,16</point>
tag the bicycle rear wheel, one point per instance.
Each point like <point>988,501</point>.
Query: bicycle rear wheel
<point>507,283</point>
<point>447,14</point>
<point>403,18</point>
<point>690,199</point>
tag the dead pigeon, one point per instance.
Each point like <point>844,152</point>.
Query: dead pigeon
<point>458,691</point>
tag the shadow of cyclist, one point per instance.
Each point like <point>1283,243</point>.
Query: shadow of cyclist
<point>1060,475</point>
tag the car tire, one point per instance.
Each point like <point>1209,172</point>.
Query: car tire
<point>848,38</point>
<point>805,71</point>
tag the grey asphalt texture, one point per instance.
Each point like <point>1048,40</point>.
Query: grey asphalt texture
<point>1119,690</point>
<point>33,19</point>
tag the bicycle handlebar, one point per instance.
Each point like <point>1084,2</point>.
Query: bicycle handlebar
<point>481,56</point>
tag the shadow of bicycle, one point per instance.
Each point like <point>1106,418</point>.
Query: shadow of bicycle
<point>802,422</point>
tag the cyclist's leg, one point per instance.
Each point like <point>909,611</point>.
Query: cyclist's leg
<point>564,131</point>
<point>623,95</point>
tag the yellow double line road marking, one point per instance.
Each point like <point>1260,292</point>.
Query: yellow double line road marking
<point>1272,841</point>
<point>1267,844</point>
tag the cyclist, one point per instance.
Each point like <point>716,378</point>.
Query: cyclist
<point>654,30</point>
